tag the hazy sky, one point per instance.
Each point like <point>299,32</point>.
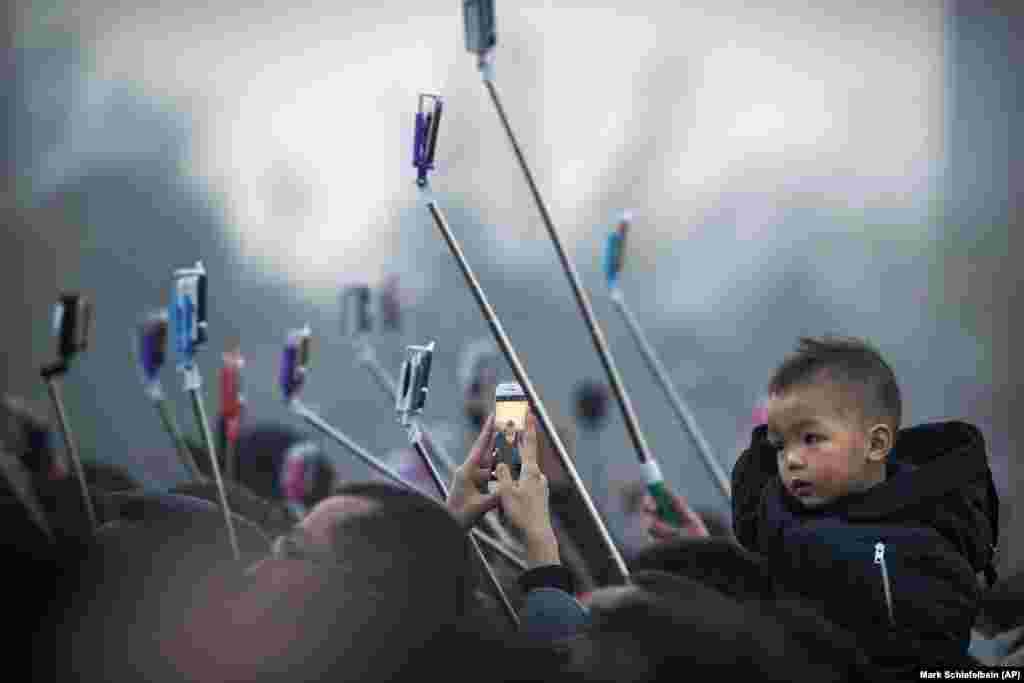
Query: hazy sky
<point>783,164</point>
<point>303,116</point>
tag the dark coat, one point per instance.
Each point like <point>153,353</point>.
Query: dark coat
<point>896,564</point>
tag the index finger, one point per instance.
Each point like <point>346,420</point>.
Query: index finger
<point>528,451</point>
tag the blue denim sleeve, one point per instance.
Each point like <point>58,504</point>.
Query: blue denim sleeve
<point>552,614</point>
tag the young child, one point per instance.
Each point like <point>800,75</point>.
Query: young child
<point>884,528</point>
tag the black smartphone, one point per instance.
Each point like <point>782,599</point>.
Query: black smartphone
<point>478,16</point>
<point>71,321</point>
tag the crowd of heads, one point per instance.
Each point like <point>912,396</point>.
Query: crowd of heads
<point>358,581</point>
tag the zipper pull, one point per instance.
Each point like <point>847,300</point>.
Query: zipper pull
<point>880,560</point>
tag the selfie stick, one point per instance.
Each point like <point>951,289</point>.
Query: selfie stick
<point>409,403</point>
<point>614,261</point>
<point>479,17</point>
<point>390,389</point>
<point>426,132</point>
<point>72,317</point>
<point>151,352</point>
<point>356,325</point>
<point>291,378</point>
<point>232,405</point>
<point>189,333</point>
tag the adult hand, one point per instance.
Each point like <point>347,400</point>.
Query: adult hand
<point>465,500</point>
<point>525,501</point>
<point>692,527</point>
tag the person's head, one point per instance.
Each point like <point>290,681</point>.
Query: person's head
<point>272,516</point>
<point>109,477</point>
<point>260,456</point>
<point>666,627</point>
<point>410,543</point>
<point>833,413</point>
<point>307,476</point>
<point>141,572</point>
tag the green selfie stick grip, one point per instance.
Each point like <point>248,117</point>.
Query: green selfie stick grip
<point>656,487</point>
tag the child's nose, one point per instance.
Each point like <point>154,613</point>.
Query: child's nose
<point>793,459</point>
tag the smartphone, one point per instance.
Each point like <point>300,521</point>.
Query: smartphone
<point>428,121</point>
<point>72,317</point>
<point>191,294</point>
<point>478,16</point>
<point>510,408</point>
<point>295,361</point>
<point>415,380</point>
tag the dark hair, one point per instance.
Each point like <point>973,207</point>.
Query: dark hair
<point>109,477</point>
<point>716,523</point>
<point>411,543</point>
<point>851,362</point>
<point>26,431</point>
<point>715,562</point>
<point>274,517</point>
<point>141,573</point>
<point>665,627</point>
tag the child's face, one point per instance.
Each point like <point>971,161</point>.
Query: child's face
<point>825,450</point>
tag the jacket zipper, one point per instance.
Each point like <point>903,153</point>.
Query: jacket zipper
<point>880,560</point>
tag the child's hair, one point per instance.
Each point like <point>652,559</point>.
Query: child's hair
<point>851,362</point>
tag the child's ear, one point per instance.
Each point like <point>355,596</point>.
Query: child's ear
<point>880,443</point>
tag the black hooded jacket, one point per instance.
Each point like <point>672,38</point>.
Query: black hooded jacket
<point>896,564</point>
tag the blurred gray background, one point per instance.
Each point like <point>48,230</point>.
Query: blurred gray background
<point>792,171</point>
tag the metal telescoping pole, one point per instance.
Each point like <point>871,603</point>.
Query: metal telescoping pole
<point>193,384</point>
<point>53,384</point>
<point>417,444</point>
<point>628,414</point>
<point>506,346</point>
<point>369,359</point>
<point>184,454</point>
<point>374,463</point>
<point>682,412</point>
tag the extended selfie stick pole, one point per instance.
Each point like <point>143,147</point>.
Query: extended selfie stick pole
<point>53,385</point>
<point>318,423</point>
<point>292,377</point>
<point>358,321</point>
<point>72,321</point>
<point>423,160</point>
<point>151,353</point>
<point>614,262</point>
<point>368,358</point>
<point>492,578</point>
<point>647,461</point>
<point>190,333</point>
<point>681,411</point>
<point>524,381</point>
<point>408,408</point>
